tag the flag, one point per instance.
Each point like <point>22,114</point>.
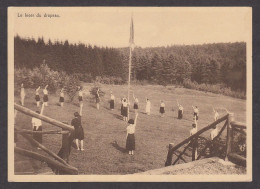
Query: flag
<point>131,40</point>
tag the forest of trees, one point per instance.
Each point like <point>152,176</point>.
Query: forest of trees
<point>220,63</point>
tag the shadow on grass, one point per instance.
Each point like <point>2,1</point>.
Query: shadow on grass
<point>117,116</point>
<point>119,148</point>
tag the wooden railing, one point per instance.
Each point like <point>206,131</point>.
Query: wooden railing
<point>58,163</point>
<point>238,148</point>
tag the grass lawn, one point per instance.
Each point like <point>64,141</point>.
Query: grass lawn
<point>105,131</point>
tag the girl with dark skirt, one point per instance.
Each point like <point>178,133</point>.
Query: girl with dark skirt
<point>130,135</point>
<point>45,96</point>
<point>136,102</point>
<point>180,111</point>
<point>37,96</point>
<point>79,132</point>
<point>80,97</point>
<point>97,99</point>
<point>125,109</point>
<point>61,97</point>
<point>37,126</point>
<point>162,108</point>
<point>112,101</point>
<point>196,113</point>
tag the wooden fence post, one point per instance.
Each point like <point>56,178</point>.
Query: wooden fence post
<point>194,148</point>
<point>169,156</point>
<point>229,136</point>
<point>65,147</point>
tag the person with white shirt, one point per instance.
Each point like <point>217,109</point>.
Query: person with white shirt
<point>61,97</point>
<point>22,94</point>
<point>45,96</point>
<point>148,107</point>
<point>97,98</point>
<point>125,109</point>
<point>37,126</point>
<point>80,97</point>
<point>162,108</point>
<point>136,104</point>
<point>216,115</point>
<point>180,111</point>
<point>37,96</point>
<point>112,101</point>
<point>130,135</point>
<point>196,112</point>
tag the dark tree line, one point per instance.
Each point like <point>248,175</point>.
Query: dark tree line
<point>220,63</point>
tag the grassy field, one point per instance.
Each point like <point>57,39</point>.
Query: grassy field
<point>105,131</point>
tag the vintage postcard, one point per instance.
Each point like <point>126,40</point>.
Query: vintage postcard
<point>129,94</point>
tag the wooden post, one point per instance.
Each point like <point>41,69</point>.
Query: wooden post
<point>194,148</point>
<point>229,137</point>
<point>65,146</point>
<point>169,156</point>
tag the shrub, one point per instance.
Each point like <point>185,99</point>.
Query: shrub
<point>217,88</point>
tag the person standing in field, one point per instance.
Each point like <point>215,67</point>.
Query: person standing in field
<point>195,113</point>
<point>37,126</point>
<point>97,98</point>
<point>216,115</point>
<point>148,107</point>
<point>122,99</point>
<point>112,101</point>
<point>45,96</point>
<point>61,97</point>
<point>37,96</point>
<point>22,94</point>
<point>180,110</point>
<point>80,96</point>
<point>130,135</point>
<point>136,103</point>
<point>214,132</point>
<point>125,109</point>
<point>162,108</point>
<point>79,132</point>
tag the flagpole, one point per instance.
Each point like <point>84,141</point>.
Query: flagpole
<point>129,78</point>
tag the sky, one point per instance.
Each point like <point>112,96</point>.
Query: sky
<point>152,26</point>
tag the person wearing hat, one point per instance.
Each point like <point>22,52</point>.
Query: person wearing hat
<point>79,132</point>
<point>130,135</point>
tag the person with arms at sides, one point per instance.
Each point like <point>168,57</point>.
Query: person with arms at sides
<point>22,94</point>
<point>122,106</point>
<point>79,132</point>
<point>130,135</point>
<point>148,106</point>
<point>125,109</point>
<point>61,97</point>
<point>45,96</point>
<point>80,96</point>
<point>37,126</point>
<point>162,108</point>
<point>216,115</point>
<point>37,96</point>
<point>136,104</point>
<point>180,110</point>
<point>112,101</point>
<point>97,98</point>
<point>195,112</point>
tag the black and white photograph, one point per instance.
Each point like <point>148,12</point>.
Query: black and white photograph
<point>125,94</point>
